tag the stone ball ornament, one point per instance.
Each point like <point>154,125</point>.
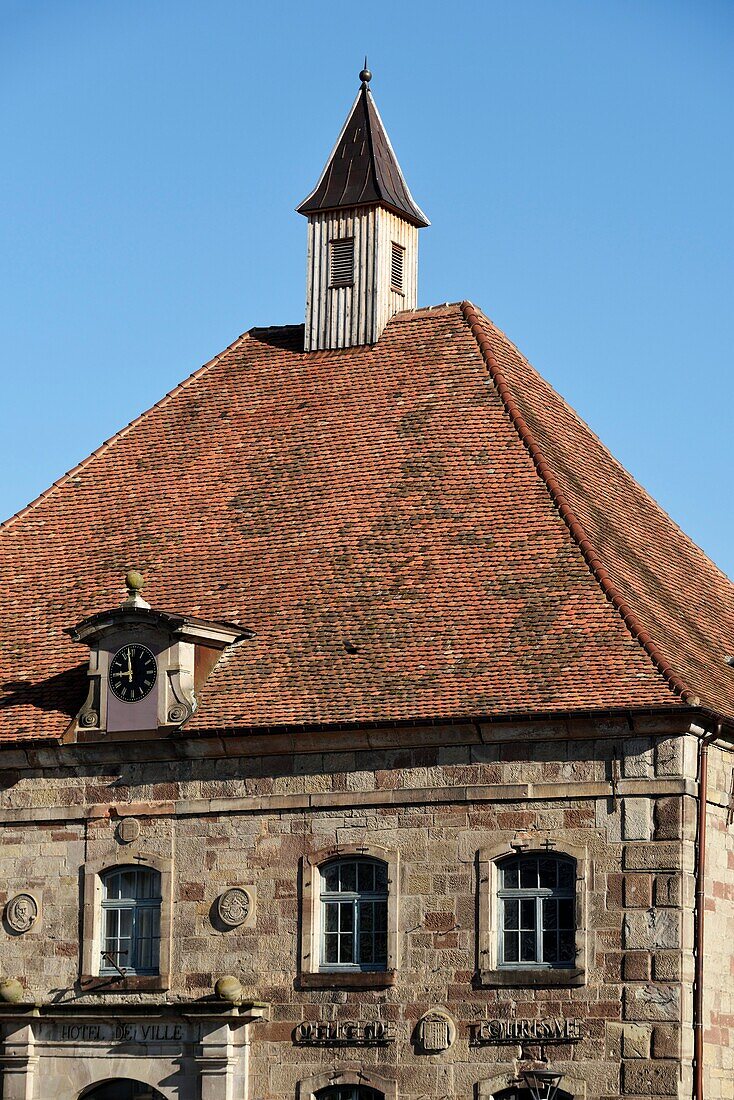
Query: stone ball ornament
<point>11,991</point>
<point>21,913</point>
<point>228,988</point>
<point>134,580</point>
<point>235,906</point>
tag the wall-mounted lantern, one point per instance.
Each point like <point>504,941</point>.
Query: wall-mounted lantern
<point>542,1084</point>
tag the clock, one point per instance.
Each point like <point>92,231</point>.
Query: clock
<point>133,672</point>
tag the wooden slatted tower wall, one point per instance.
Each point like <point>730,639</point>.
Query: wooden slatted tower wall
<point>342,316</point>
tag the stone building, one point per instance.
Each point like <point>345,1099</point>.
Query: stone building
<point>407,773</point>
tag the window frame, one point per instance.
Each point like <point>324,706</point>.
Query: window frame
<point>312,974</point>
<point>136,905</point>
<point>491,969</point>
<point>537,895</point>
<point>353,900</point>
<point>94,977</point>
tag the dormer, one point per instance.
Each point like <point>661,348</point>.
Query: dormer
<point>362,235</point>
<point>145,667</point>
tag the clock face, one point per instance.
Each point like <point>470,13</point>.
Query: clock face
<point>133,672</point>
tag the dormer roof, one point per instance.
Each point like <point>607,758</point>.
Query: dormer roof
<point>363,169</point>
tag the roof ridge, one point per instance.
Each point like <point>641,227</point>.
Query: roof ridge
<point>620,465</point>
<point>5,524</point>
<point>473,317</point>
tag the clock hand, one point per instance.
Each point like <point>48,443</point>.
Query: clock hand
<point>129,666</point>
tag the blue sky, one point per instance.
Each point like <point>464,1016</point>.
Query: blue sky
<point>575,159</point>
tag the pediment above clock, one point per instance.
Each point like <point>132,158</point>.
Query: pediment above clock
<point>145,667</point>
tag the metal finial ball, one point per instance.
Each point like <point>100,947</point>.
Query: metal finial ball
<point>134,581</point>
<point>365,76</point>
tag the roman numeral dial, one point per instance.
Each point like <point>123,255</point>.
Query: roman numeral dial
<point>133,672</point>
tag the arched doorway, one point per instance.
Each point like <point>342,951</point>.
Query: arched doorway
<point>518,1093</point>
<point>121,1090</point>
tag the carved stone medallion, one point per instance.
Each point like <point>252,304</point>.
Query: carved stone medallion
<point>128,830</point>
<point>235,906</point>
<point>435,1032</point>
<point>21,912</point>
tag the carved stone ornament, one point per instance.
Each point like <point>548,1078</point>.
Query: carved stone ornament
<point>89,718</point>
<point>21,912</point>
<point>179,713</point>
<point>128,830</point>
<point>234,907</point>
<point>435,1032</point>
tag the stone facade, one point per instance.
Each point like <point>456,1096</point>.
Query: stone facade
<point>442,802</point>
<point>718,953</point>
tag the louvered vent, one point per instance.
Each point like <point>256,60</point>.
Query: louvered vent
<point>396,269</point>
<point>342,262</point>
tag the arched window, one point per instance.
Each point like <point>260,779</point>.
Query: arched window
<point>537,911</point>
<point>353,915</point>
<point>131,921</point>
<point>348,1092</point>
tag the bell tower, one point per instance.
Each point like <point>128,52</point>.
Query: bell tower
<point>362,235</point>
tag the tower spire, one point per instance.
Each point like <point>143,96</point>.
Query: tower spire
<point>363,239</point>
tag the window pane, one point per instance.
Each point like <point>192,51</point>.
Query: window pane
<point>366,948</point>
<point>331,916</point>
<point>330,947</point>
<point>381,949</point>
<point>528,912</point>
<point>512,913</point>
<point>112,887</point>
<point>128,884</point>
<point>330,878</point>
<point>510,875</point>
<point>346,916</point>
<point>528,873</point>
<point>148,886</point>
<point>512,949</point>
<point>380,911</point>
<point>566,875</point>
<point>527,947</point>
<point>366,916</point>
<point>567,946</point>
<point>381,877</point>
<point>348,877</point>
<point>125,917</point>
<point>547,868</point>
<point>550,947</point>
<point>346,948</point>
<point>147,937</point>
<point>550,915</point>
<point>365,878</point>
<point>565,913</point>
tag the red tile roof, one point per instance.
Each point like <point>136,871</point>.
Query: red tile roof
<point>419,529</point>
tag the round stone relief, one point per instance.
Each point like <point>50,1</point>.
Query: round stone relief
<point>128,830</point>
<point>234,907</point>
<point>21,912</point>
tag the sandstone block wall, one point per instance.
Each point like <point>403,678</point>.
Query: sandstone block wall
<point>719,930</point>
<point>437,796</point>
